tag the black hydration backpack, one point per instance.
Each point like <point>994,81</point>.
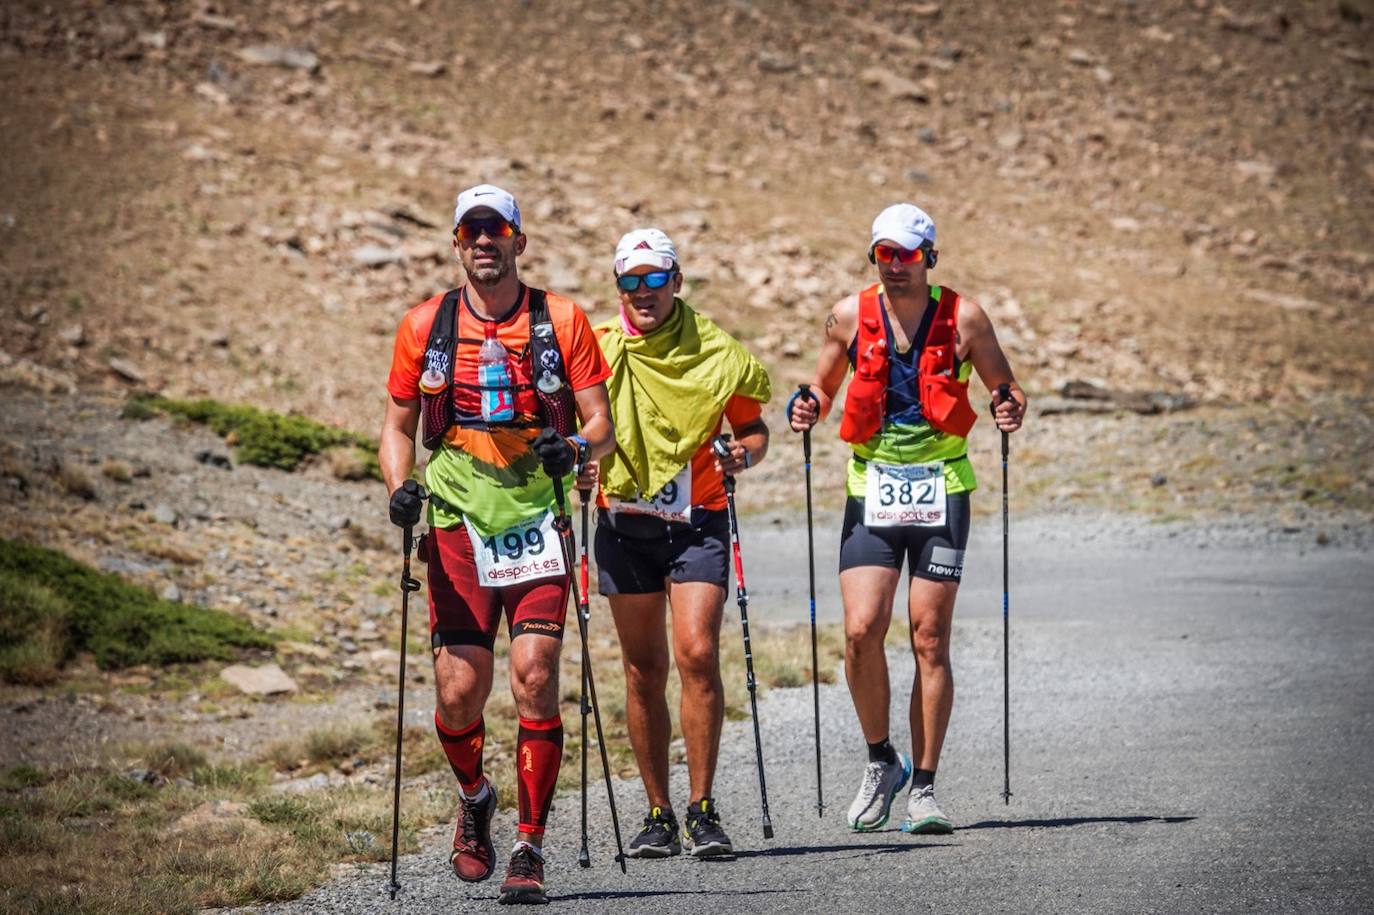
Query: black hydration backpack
<point>557,407</point>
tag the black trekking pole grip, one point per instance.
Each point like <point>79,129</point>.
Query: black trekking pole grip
<point>720,446</point>
<point>804,391</point>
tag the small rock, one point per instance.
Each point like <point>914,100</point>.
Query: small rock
<point>896,86</point>
<point>170,592</point>
<point>1011,141</point>
<point>927,135</point>
<point>374,256</point>
<point>316,782</point>
<point>165,514</point>
<point>127,370</point>
<point>75,335</point>
<point>214,460</point>
<point>1323,538</point>
<point>258,681</point>
<point>123,566</point>
<point>1080,58</point>
<point>430,68</point>
<point>1125,224</point>
<point>270,55</point>
<point>1158,480</point>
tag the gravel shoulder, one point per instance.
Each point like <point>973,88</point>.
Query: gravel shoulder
<point>1190,708</point>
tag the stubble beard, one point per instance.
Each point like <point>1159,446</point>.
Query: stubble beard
<point>489,274</point>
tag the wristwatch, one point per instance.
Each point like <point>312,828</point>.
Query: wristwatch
<point>580,445</point>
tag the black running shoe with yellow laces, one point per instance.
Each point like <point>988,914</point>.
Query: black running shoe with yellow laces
<point>705,838</point>
<point>658,838</point>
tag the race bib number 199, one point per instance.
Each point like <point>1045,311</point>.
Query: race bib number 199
<point>905,494</point>
<point>523,552</point>
<point>671,503</point>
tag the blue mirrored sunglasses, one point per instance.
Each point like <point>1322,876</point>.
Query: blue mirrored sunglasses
<point>656,280</point>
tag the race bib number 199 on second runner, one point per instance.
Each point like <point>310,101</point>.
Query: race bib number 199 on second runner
<point>522,552</point>
<point>905,494</point>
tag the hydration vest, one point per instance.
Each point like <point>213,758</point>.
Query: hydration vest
<point>943,397</point>
<point>440,410</point>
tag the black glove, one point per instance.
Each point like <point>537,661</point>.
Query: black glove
<point>406,503</point>
<point>555,452</point>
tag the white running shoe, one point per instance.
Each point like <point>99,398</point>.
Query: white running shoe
<point>923,815</point>
<point>881,783</point>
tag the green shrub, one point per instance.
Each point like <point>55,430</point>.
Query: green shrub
<point>121,624</point>
<point>23,776</point>
<point>263,438</point>
<point>34,640</point>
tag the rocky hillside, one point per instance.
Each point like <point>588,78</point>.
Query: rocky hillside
<point>240,199</point>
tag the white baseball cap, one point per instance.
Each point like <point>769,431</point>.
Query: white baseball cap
<point>906,224</point>
<point>643,247</point>
<point>490,196</point>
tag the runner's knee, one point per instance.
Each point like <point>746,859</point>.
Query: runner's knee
<point>646,674</point>
<point>698,662</point>
<point>864,632</point>
<point>931,644</point>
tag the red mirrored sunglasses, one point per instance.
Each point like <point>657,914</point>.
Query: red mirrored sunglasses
<point>885,254</point>
<point>471,230</point>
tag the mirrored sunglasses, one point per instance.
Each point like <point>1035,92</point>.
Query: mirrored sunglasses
<point>656,280</point>
<point>885,254</point>
<point>472,229</point>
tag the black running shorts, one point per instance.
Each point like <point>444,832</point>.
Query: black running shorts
<point>935,553</point>
<point>635,564</point>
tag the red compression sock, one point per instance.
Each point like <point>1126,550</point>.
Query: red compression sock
<point>538,756</point>
<point>464,751</point>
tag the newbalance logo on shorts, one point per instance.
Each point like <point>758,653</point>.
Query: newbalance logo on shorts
<point>945,561</point>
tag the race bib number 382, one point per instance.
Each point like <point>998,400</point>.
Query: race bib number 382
<point>905,494</point>
<point>523,552</point>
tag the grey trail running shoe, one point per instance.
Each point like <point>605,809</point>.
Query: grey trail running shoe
<point>873,804</point>
<point>705,838</point>
<point>923,815</point>
<point>658,838</point>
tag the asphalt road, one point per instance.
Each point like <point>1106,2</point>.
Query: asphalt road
<point>1192,728</point>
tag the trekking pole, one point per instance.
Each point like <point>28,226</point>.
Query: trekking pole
<point>584,858</point>
<point>408,584</point>
<point>804,390</point>
<point>1004,393</point>
<point>565,537</point>
<point>721,446</point>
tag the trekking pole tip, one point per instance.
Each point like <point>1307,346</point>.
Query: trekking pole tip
<point>584,859</point>
<point>767,829</point>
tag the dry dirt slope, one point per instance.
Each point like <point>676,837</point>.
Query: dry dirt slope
<point>1169,195</point>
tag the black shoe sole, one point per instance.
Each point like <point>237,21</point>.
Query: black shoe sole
<point>523,897</point>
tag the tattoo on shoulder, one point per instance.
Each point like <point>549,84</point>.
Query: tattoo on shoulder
<point>830,322</point>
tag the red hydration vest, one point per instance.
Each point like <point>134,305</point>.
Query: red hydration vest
<point>943,397</point>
